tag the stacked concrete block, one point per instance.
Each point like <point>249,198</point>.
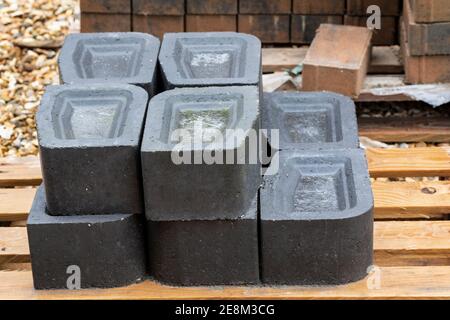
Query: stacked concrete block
<point>425,46</point>
<point>158,17</point>
<point>309,14</point>
<point>105,15</point>
<point>316,219</point>
<point>268,20</point>
<point>390,10</point>
<point>213,15</point>
<point>87,228</point>
<point>92,251</point>
<point>175,191</point>
<point>311,120</point>
<point>316,210</point>
<point>128,57</point>
<point>210,59</point>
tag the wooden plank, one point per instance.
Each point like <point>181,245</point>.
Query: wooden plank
<point>414,162</point>
<point>405,129</point>
<point>411,199</point>
<point>393,239</point>
<point>383,283</point>
<point>15,203</point>
<point>24,171</point>
<point>385,59</point>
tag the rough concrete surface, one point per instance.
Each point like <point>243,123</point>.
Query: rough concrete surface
<point>201,59</point>
<point>129,57</point>
<point>179,191</point>
<point>316,219</point>
<point>108,249</point>
<point>205,251</point>
<point>89,139</point>
<point>311,120</point>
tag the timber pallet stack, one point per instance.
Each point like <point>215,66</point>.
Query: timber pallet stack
<point>411,237</point>
<point>274,22</point>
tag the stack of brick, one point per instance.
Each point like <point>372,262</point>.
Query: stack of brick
<point>212,15</point>
<point>425,40</point>
<point>267,19</point>
<point>158,17</point>
<point>390,12</point>
<point>309,14</point>
<point>105,15</point>
<point>87,217</point>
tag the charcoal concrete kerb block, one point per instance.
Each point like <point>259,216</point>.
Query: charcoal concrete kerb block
<point>199,59</point>
<point>316,120</point>
<point>316,219</point>
<point>205,251</point>
<point>89,139</point>
<point>109,250</point>
<point>128,57</point>
<point>178,190</point>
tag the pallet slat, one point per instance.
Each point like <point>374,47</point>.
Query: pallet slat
<point>385,59</point>
<point>393,200</point>
<point>395,162</point>
<point>384,283</point>
<point>402,240</point>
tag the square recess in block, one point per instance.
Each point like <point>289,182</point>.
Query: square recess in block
<point>108,249</point>
<point>210,59</point>
<point>311,120</point>
<point>89,138</point>
<point>323,203</point>
<point>184,119</point>
<point>128,57</point>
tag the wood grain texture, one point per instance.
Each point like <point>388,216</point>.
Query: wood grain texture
<point>24,171</point>
<point>15,203</point>
<point>414,162</point>
<point>382,283</point>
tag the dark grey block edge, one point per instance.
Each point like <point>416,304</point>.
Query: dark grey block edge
<point>108,249</point>
<point>205,252</point>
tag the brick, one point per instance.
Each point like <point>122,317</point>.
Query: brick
<point>120,57</point>
<point>426,39</point>
<point>337,60</point>
<point>387,7</point>
<point>158,7</point>
<point>158,25</point>
<point>102,22</point>
<point>385,36</point>
<point>268,28</point>
<point>213,7</point>
<point>176,191</point>
<point>108,249</point>
<point>428,11</point>
<point>322,7</point>
<point>265,6</point>
<point>210,59</point>
<point>205,252</point>
<point>211,23</point>
<point>89,137</point>
<point>424,69</point>
<point>303,27</point>
<point>311,121</point>
<point>316,223</point>
<point>105,6</point>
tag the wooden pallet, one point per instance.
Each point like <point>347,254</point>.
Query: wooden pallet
<point>411,241</point>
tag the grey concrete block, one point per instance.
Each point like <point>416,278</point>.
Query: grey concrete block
<point>200,59</point>
<point>205,252</point>
<point>316,219</point>
<point>89,139</point>
<point>313,121</point>
<point>178,191</point>
<point>128,57</point>
<point>108,249</point>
